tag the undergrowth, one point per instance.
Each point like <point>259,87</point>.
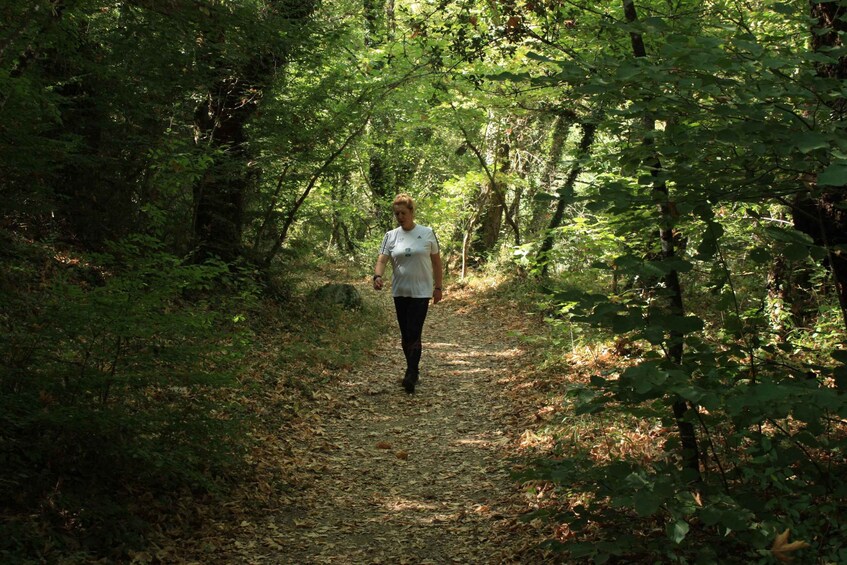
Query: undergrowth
<point>136,390</point>
<point>606,466</point>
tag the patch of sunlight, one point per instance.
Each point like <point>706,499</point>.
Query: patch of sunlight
<point>480,440</point>
<point>475,370</point>
<point>406,504</point>
<point>462,351</point>
<point>474,442</point>
<point>441,518</point>
<point>533,439</point>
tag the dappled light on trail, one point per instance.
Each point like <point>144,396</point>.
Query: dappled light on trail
<point>386,477</point>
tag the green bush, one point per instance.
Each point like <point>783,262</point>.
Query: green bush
<point>767,409</point>
<point>110,367</point>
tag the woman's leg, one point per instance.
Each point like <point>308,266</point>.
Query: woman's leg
<point>417,317</point>
<point>401,307</point>
<point>411,315</point>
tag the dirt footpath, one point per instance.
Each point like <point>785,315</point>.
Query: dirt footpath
<point>390,478</point>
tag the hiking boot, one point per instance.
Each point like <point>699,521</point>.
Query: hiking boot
<point>409,381</point>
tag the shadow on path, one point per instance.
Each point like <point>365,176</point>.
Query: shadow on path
<point>393,478</point>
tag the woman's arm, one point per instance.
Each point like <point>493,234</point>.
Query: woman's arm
<point>379,270</point>
<point>438,277</point>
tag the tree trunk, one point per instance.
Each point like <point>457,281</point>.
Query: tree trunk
<point>566,196</point>
<point>339,193</point>
<point>221,122</point>
<point>820,212</point>
<point>219,196</point>
<point>491,221</point>
<point>495,201</point>
<point>681,409</point>
<point>541,208</point>
<point>381,189</point>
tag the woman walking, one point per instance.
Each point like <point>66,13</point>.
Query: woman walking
<point>416,277</point>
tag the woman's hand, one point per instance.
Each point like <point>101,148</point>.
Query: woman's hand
<point>437,279</point>
<point>381,262</point>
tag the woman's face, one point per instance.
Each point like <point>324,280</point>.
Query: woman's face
<point>405,217</point>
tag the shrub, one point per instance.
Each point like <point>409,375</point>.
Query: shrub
<point>107,384</point>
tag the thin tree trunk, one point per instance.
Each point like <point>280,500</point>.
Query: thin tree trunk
<point>266,221</point>
<point>496,188</point>
<point>682,411</point>
<point>566,196</point>
<point>561,127</point>
<point>491,221</point>
<point>292,213</point>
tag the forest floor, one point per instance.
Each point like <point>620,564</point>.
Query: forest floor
<point>374,475</point>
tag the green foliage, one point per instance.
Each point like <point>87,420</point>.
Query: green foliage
<point>730,97</point>
<point>113,350</point>
<point>110,365</point>
<point>769,410</point>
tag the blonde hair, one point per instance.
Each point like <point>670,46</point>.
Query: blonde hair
<point>404,200</point>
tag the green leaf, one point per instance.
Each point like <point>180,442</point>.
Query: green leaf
<point>796,251</point>
<point>685,324</point>
<point>543,197</point>
<point>808,413</point>
<point>784,8</point>
<point>734,521</point>
<point>811,140</point>
<point>709,246</point>
<point>677,531</point>
<point>597,381</point>
<point>647,502</point>
<point>690,393</point>
<point>509,76</point>
<point>807,438</point>
<point>710,515</point>
<point>840,355</point>
<point>628,70</point>
<point>817,252</point>
<point>760,256</point>
<point>785,235</point>
<point>627,322</point>
<point>654,334</point>
<point>833,175</point>
<point>543,58</point>
<point>675,264</point>
<point>656,24</point>
<point>840,375</point>
<point>644,377</point>
<point>768,392</point>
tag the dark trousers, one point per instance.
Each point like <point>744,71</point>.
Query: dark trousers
<point>411,314</point>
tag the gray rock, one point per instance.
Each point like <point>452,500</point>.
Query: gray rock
<point>344,295</point>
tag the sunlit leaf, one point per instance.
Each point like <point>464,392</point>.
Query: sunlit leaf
<point>783,550</point>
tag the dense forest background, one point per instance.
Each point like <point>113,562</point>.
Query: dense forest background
<point>663,177</point>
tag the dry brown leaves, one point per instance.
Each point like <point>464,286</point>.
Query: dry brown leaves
<point>368,474</point>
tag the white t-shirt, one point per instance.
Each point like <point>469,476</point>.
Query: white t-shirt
<point>410,259</point>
